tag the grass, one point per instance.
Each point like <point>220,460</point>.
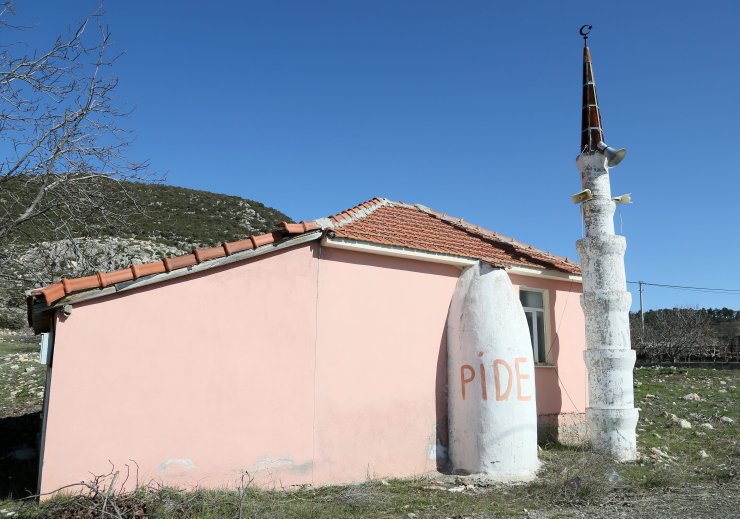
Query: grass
<point>570,477</point>
<point>21,377</point>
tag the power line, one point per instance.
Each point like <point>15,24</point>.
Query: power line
<point>695,289</point>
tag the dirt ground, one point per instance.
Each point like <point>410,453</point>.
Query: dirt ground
<point>696,502</point>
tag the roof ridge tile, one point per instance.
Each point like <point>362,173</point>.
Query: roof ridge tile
<point>353,213</point>
<point>147,269</point>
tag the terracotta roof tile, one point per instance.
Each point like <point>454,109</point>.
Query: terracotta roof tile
<point>178,262</point>
<point>233,247</point>
<point>202,255</point>
<point>292,227</point>
<point>298,228</point>
<point>147,269</point>
<point>264,239</point>
<point>53,292</point>
<point>117,276</point>
<point>75,284</point>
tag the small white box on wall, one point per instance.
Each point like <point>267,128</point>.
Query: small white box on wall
<point>46,347</point>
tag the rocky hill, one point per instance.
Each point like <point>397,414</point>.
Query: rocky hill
<point>156,221</point>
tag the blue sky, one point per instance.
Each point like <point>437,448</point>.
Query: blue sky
<point>469,107</point>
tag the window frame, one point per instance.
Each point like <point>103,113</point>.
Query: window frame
<point>545,324</point>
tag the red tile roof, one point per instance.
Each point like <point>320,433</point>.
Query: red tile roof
<point>378,221</point>
<point>418,227</point>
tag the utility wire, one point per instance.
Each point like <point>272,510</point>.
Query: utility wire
<point>696,289</point>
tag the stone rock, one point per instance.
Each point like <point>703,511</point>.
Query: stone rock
<point>692,397</point>
<point>727,419</point>
<point>703,454</point>
<point>660,455</point>
<point>707,425</point>
<point>681,422</point>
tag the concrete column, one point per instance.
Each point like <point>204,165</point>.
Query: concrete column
<point>491,388</point>
<point>610,360</point>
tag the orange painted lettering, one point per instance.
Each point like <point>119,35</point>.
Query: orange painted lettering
<point>466,380</point>
<point>483,382</point>
<point>497,379</point>
<point>519,377</point>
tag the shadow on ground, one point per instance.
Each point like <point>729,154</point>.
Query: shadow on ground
<point>19,455</point>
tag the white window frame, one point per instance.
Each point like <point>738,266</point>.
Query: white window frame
<point>546,323</point>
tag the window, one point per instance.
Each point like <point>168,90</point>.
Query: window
<point>533,303</point>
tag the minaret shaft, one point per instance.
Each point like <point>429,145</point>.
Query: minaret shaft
<point>609,358</point>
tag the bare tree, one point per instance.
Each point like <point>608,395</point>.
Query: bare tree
<point>59,132</point>
<point>677,334</point>
<point>62,150</point>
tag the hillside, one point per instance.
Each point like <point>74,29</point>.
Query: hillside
<point>152,221</point>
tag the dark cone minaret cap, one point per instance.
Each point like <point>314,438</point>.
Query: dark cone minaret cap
<point>591,131</point>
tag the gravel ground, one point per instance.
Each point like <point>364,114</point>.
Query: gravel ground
<point>715,501</point>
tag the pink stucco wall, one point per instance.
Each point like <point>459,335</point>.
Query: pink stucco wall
<point>310,365</point>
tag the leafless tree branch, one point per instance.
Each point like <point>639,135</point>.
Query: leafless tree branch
<point>63,151</point>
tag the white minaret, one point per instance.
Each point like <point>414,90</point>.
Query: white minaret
<point>612,417</point>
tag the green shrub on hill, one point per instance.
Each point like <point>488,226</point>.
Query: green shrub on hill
<point>167,214</point>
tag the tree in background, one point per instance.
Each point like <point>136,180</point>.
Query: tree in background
<point>680,334</point>
<point>62,151</point>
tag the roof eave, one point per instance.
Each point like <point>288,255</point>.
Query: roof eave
<point>558,275</point>
<point>397,251</point>
<point>439,257</point>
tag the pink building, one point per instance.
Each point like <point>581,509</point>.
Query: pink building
<point>312,355</point>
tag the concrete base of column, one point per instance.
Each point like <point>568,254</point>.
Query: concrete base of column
<point>613,432</point>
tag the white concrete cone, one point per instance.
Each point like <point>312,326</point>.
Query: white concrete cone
<point>491,388</point>
<point>611,414</point>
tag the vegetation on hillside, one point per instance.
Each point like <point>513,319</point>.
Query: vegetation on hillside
<point>156,212</point>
